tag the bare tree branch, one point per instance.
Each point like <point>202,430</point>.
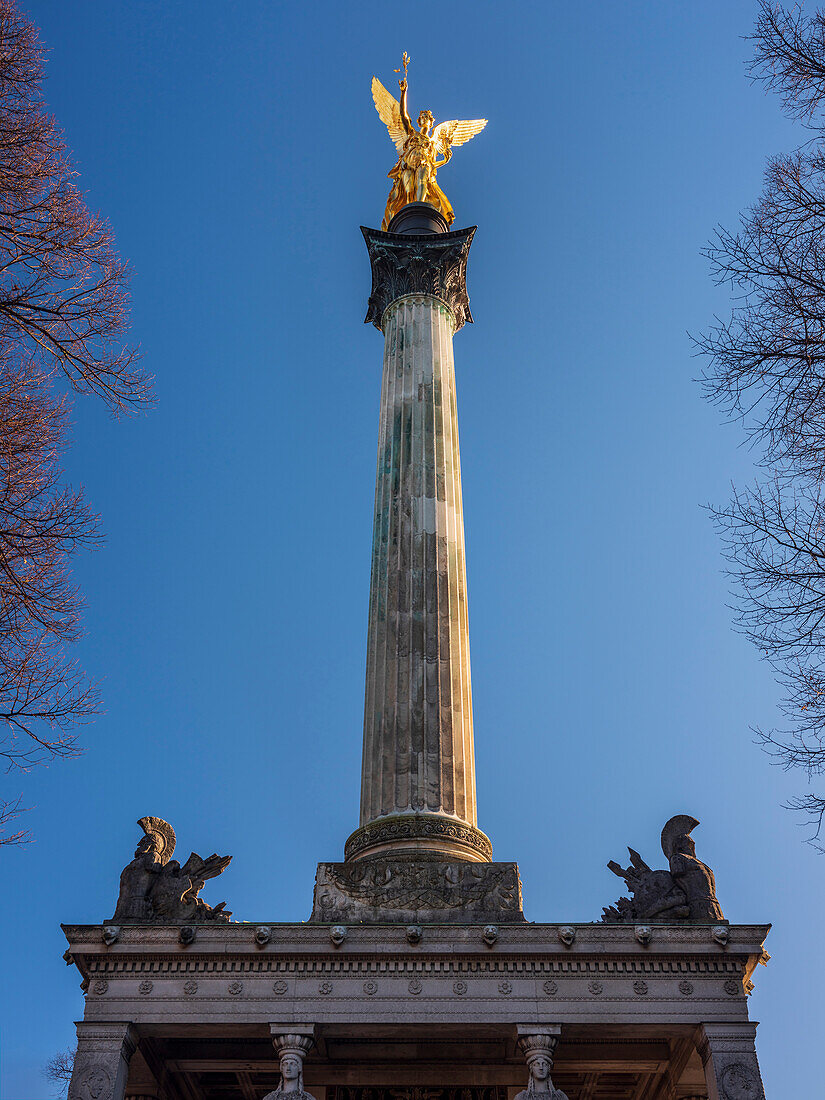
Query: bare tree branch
<point>64,299</point>
<point>58,1069</point>
<point>765,367</point>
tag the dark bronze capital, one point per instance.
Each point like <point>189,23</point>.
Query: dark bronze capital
<point>411,264</point>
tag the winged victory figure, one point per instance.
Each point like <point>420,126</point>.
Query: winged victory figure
<point>421,152</point>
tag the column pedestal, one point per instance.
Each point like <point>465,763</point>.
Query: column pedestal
<point>728,1053</point>
<point>101,1064</point>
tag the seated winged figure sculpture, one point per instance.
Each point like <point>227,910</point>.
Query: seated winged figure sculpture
<point>421,152</point>
<point>155,889</point>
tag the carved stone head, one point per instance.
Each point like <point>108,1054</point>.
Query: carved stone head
<point>721,935</point>
<point>110,934</point>
<point>291,1067</point>
<point>187,934</point>
<point>540,1068</point>
<point>263,935</point>
<point>490,934</point>
<point>644,934</point>
<point>338,934</point>
<point>414,933</point>
<point>567,935</point>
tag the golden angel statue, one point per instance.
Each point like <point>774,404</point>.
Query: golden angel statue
<point>420,152</point>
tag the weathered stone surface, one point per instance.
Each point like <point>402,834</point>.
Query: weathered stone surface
<point>101,1063</point>
<point>728,1054</point>
<point>418,763</point>
<point>407,891</point>
<point>685,892</point>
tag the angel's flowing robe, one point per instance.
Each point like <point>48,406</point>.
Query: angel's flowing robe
<point>418,153</point>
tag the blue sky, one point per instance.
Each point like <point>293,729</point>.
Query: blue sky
<point>236,150</point>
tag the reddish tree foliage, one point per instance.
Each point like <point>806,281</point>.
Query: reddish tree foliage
<point>63,314</point>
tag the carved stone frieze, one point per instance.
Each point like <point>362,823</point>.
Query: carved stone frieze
<point>404,960</point>
<point>416,828</point>
<point>417,891</point>
<point>405,264</point>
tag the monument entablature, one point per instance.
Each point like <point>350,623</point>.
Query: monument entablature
<point>417,975</point>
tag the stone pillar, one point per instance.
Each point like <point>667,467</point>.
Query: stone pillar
<point>728,1053</point>
<point>538,1042</point>
<point>292,1042</point>
<point>101,1064</point>
<point>418,775</point>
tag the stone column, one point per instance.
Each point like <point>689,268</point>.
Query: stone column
<point>728,1053</point>
<point>292,1042</point>
<point>418,775</point>
<point>101,1064</point>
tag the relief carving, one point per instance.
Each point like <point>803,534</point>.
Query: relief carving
<point>411,890</point>
<point>739,1082</point>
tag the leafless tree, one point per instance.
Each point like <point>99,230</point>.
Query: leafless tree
<point>766,368</point>
<point>63,315</point>
<point>59,1069</point>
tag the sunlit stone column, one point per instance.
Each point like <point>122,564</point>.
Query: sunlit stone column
<point>418,777</point>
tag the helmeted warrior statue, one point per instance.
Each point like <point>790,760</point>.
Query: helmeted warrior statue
<point>155,889</point>
<point>687,891</point>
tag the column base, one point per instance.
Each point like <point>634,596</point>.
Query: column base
<point>419,836</point>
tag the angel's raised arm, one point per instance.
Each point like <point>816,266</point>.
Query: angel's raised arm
<point>405,118</point>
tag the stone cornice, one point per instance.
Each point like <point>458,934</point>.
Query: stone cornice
<point>405,264</point>
<point>516,941</point>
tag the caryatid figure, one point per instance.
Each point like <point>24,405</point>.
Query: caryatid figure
<point>538,1051</point>
<point>292,1049</point>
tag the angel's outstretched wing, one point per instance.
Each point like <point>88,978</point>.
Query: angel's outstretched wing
<point>202,869</point>
<point>389,111</point>
<point>456,132</point>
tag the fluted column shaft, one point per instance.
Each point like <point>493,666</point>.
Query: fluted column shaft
<point>418,718</point>
<point>418,777</point>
